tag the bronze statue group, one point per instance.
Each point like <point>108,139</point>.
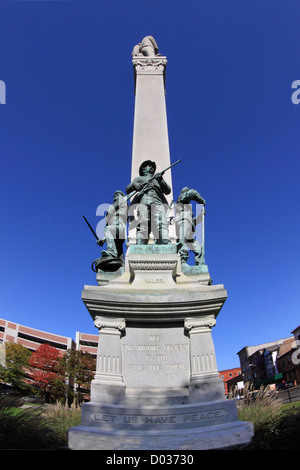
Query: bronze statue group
<point>148,192</point>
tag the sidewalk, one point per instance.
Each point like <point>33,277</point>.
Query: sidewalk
<point>289,395</point>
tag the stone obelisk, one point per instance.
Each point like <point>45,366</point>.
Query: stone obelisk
<point>150,129</point>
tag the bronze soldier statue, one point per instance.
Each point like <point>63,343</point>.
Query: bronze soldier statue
<point>185,224</point>
<point>115,233</point>
<point>151,189</point>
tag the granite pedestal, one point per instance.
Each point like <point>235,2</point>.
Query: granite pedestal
<point>157,384</point>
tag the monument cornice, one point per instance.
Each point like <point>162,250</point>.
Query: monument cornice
<point>149,66</point>
<point>156,307</point>
<point>149,61</point>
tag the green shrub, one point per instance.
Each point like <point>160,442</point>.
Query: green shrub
<point>36,427</point>
<point>24,428</point>
<point>60,418</point>
<point>276,426</point>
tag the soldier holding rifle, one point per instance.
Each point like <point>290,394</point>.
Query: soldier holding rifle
<point>151,189</point>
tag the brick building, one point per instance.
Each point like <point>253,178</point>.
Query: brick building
<point>253,362</point>
<point>227,375</point>
<point>288,360</point>
<point>272,362</point>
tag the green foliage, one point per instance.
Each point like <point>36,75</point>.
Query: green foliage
<point>275,432</point>
<point>78,369</point>
<point>16,362</point>
<point>39,427</point>
<point>259,407</point>
<point>61,417</point>
<point>276,426</point>
<point>45,427</point>
<point>25,428</point>
<point>53,375</point>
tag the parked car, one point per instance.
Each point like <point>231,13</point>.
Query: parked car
<point>284,385</point>
<point>289,384</point>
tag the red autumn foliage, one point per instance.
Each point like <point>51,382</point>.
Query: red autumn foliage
<point>43,363</point>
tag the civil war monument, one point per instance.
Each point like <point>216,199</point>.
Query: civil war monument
<point>156,384</point>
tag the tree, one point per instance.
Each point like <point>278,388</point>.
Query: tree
<point>44,362</point>
<point>16,363</point>
<point>78,369</point>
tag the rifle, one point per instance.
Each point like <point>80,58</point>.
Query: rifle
<point>150,180</point>
<point>100,242</point>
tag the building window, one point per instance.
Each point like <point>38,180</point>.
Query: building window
<point>37,340</point>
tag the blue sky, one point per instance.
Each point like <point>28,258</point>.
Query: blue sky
<point>66,141</point>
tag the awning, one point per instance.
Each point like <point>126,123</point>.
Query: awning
<point>269,380</point>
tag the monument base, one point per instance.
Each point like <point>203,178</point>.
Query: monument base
<point>185,426</point>
<point>157,386</point>
<point>218,437</point>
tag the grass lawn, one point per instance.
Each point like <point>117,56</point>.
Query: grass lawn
<point>35,427</point>
<point>276,426</point>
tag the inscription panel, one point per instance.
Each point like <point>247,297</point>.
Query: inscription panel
<point>202,418</point>
<point>155,357</point>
